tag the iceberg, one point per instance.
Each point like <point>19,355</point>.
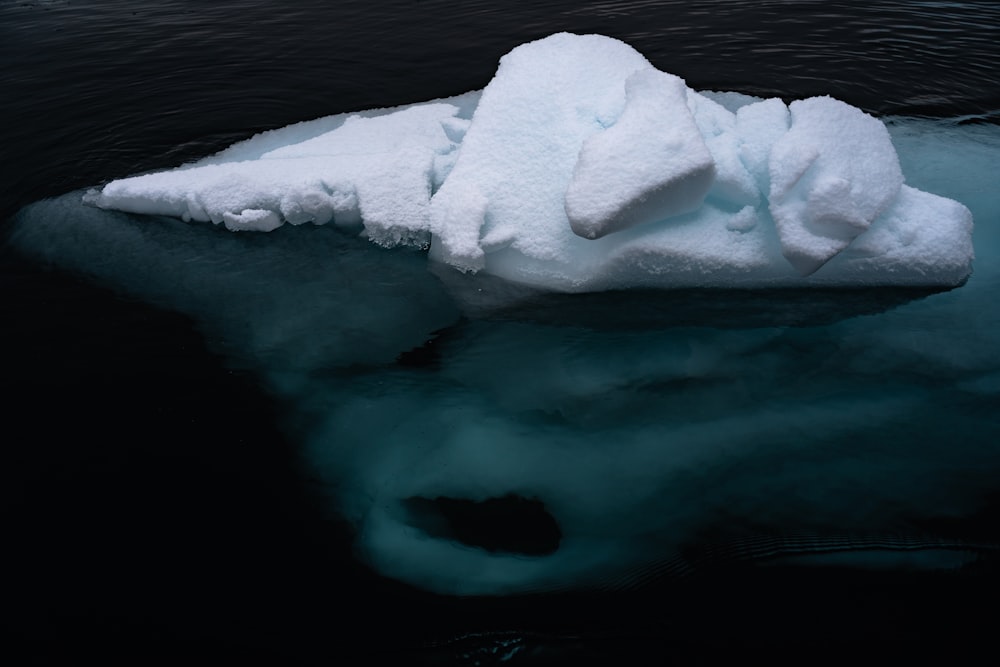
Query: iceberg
<point>580,167</point>
<point>483,432</point>
<point>478,443</point>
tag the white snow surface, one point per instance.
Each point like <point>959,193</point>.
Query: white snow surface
<point>581,167</point>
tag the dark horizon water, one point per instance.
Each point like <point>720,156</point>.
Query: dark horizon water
<point>155,508</point>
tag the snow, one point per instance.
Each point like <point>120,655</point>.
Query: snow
<point>832,174</point>
<point>583,168</point>
<point>641,169</point>
<point>378,169</point>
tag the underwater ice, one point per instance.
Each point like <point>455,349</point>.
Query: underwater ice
<point>581,167</point>
<point>481,437</point>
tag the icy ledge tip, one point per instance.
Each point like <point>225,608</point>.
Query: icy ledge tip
<point>581,167</point>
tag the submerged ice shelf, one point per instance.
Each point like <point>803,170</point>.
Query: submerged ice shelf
<point>481,443</point>
<point>581,167</point>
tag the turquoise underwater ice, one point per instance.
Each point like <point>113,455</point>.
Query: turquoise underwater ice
<point>597,436</point>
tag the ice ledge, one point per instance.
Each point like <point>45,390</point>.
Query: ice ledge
<point>581,167</point>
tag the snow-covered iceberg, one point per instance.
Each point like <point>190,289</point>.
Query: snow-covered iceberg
<point>582,167</point>
<point>480,438</point>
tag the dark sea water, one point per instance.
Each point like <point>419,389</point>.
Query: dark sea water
<point>156,508</point>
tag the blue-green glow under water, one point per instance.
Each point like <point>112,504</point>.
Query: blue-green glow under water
<point>721,417</point>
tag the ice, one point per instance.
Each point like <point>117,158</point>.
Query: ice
<point>379,170</point>
<point>642,424</point>
<point>832,174</point>
<point>519,154</point>
<point>640,169</point>
<point>583,168</point>
<point>632,424</point>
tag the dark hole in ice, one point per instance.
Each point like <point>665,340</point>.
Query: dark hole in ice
<point>510,523</point>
